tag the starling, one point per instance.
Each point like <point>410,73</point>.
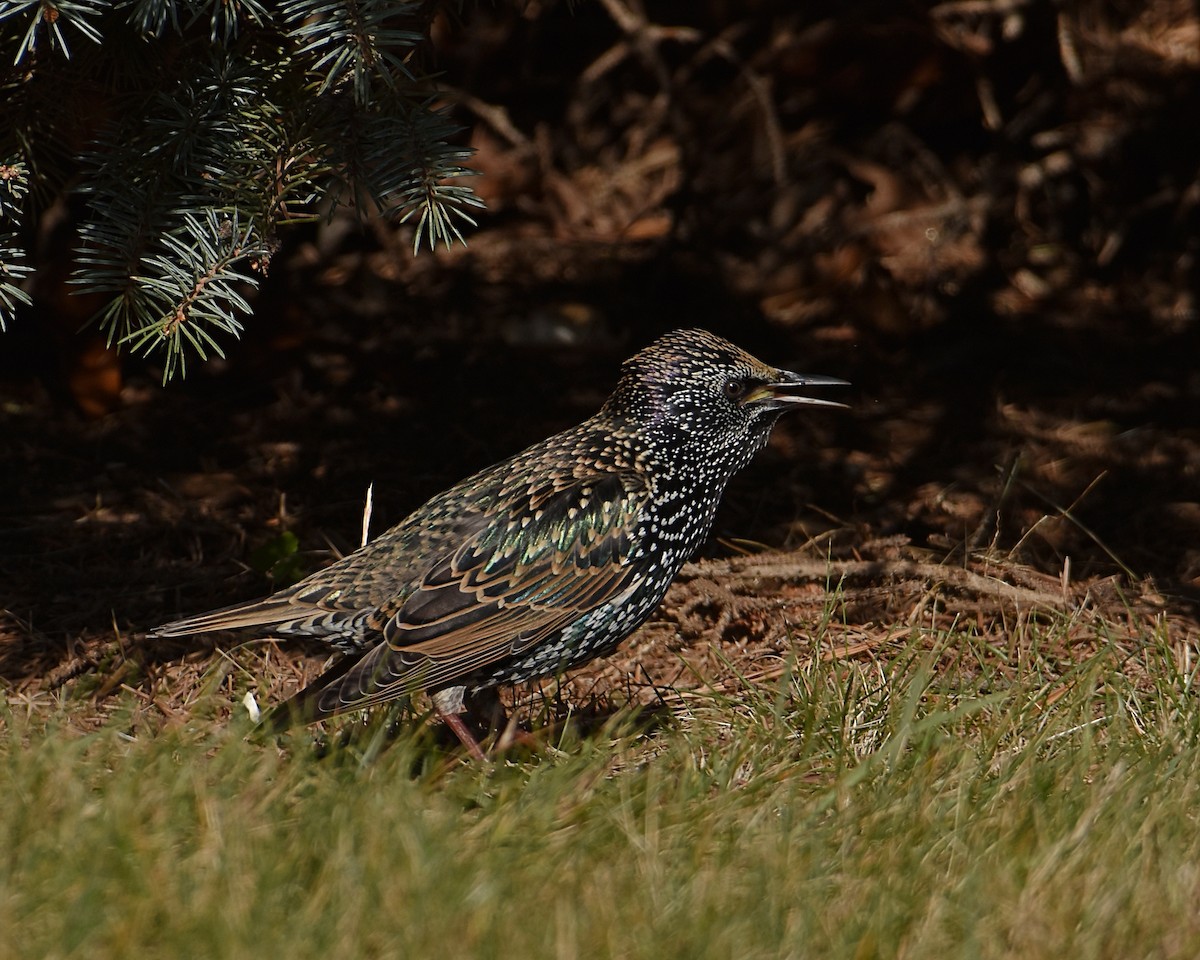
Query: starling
<point>544,561</point>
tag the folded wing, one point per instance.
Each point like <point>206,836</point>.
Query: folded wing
<point>557,552</point>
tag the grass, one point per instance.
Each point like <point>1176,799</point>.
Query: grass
<point>849,809</point>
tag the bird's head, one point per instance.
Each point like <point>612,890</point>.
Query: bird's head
<point>708,394</point>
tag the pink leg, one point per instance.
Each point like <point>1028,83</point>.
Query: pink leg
<point>455,723</point>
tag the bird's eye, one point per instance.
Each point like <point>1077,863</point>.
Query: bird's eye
<point>735,389</point>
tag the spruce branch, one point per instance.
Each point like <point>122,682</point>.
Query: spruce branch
<point>438,204</point>
<point>203,113</point>
<point>416,164</point>
<point>152,18</point>
<point>191,288</point>
<point>14,185</point>
<point>226,17</point>
<point>48,20</point>
<point>360,40</point>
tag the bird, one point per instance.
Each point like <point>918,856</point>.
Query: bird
<point>541,562</point>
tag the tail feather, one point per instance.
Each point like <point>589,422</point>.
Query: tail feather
<point>346,629</point>
<point>353,683</point>
<point>304,707</point>
<point>255,613</point>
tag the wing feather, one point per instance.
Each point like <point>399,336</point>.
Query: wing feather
<point>558,553</point>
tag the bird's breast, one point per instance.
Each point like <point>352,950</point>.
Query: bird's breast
<point>678,520</point>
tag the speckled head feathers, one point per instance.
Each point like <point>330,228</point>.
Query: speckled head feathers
<point>678,363</point>
<point>693,355</point>
<point>694,384</point>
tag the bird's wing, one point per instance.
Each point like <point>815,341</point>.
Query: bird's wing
<point>562,549</point>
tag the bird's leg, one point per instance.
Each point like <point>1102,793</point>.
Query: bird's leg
<point>485,708</point>
<point>503,732</point>
<point>512,735</point>
<point>455,723</point>
<point>449,705</point>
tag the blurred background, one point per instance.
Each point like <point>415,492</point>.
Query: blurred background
<point>983,213</point>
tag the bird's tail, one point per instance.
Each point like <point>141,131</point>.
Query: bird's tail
<point>279,613</point>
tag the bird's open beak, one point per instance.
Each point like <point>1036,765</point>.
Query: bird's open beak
<point>781,395</point>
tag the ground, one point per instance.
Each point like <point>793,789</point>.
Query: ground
<point>991,234</point>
